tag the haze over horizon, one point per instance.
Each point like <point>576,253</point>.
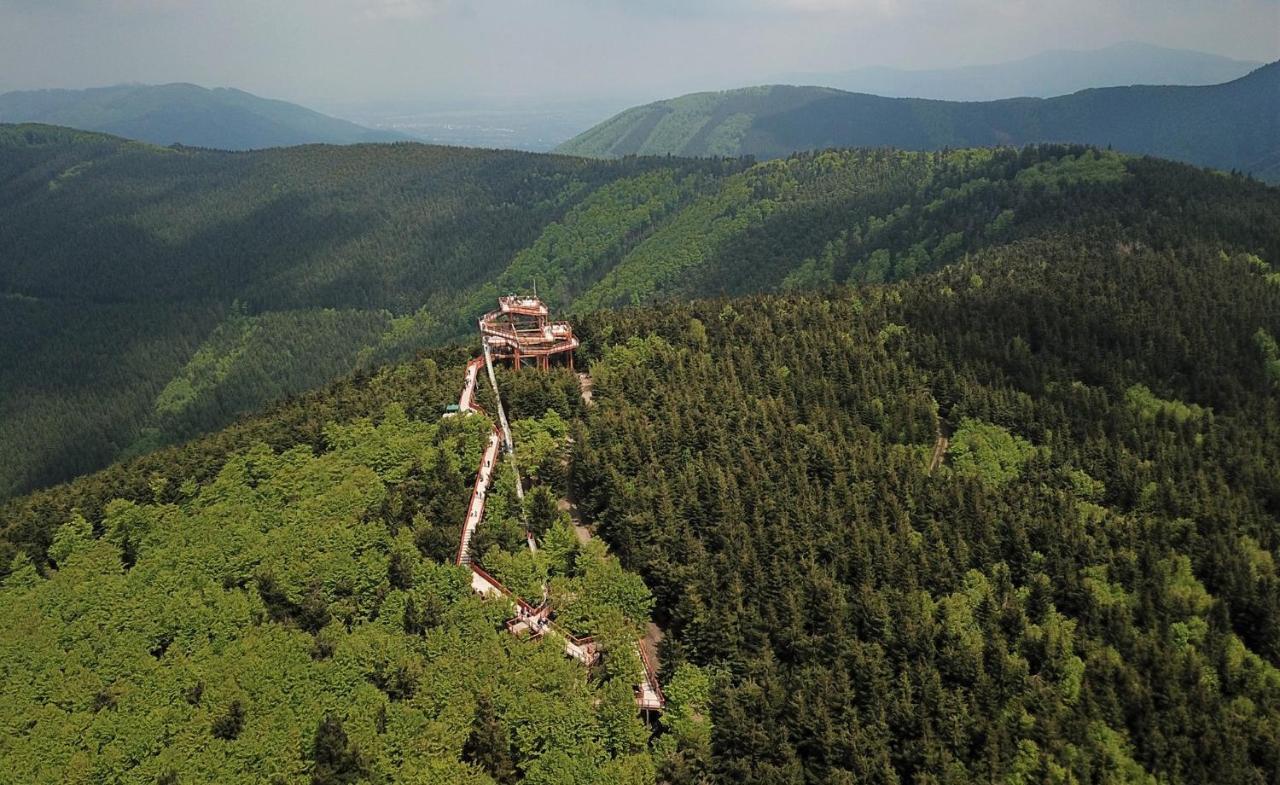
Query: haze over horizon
<point>333,52</point>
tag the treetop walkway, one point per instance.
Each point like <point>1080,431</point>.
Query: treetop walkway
<point>517,331</point>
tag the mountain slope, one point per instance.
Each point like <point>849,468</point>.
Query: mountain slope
<point>155,294</point>
<point>1098,537</point>
<point>1235,125</point>
<point>147,294</point>
<point>221,118</point>
<point>1042,75</point>
<point>1083,589</point>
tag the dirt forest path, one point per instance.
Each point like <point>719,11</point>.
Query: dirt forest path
<point>939,452</point>
<point>648,645</point>
<point>580,529</point>
<point>568,504</point>
<point>942,441</point>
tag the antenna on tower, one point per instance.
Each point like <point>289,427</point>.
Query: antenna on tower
<point>535,288</point>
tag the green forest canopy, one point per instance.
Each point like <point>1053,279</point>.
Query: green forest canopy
<point>203,640</point>
<point>1085,590</point>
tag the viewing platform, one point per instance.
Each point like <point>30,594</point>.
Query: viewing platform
<point>520,332</point>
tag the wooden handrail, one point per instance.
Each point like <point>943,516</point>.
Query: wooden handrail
<point>478,570</point>
<point>475,491</point>
<point>650,671</point>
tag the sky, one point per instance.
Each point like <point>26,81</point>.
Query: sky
<point>332,51</point>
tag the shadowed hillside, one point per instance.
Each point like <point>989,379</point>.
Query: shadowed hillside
<point>151,294</point>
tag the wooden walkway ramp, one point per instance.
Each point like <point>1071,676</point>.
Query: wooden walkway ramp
<point>488,463</point>
<point>531,622</point>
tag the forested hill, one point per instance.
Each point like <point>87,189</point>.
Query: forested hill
<point>221,118</point>
<point>1231,126</point>
<point>1012,520</point>
<point>148,295</point>
<point>1044,75</point>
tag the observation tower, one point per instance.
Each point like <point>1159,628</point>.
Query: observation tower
<point>520,331</point>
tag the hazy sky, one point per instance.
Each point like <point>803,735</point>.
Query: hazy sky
<point>322,51</point>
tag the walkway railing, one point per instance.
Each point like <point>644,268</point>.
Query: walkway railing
<point>654,699</point>
<point>475,508</point>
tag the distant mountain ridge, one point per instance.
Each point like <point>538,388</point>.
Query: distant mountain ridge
<point>1043,75</point>
<point>221,118</point>
<point>1235,125</point>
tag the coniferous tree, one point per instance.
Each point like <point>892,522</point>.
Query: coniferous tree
<point>335,760</point>
<point>489,745</point>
